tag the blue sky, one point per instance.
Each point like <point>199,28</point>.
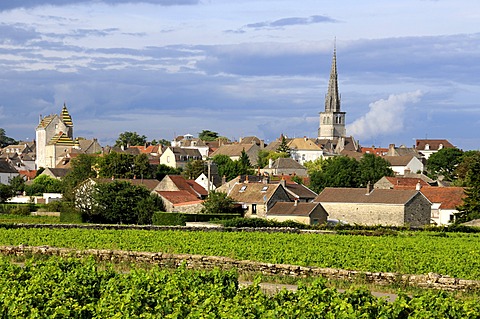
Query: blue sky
<point>407,69</point>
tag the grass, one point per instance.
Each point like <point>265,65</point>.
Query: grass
<point>19,219</point>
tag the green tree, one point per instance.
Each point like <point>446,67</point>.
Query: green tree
<point>82,167</point>
<point>43,184</point>
<point>146,207</point>
<point>127,139</point>
<point>244,165</point>
<point>118,202</point>
<point>470,209</point>
<point>469,158</point>
<point>262,160</point>
<point>337,171</point>
<point>193,169</point>
<point>163,170</point>
<point>207,135</point>
<point>6,192</point>
<point>283,147</point>
<point>18,184</point>
<point>220,203</point>
<point>141,167</point>
<point>5,140</point>
<point>314,166</point>
<point>371,168</point>
<point>118,165</point>
<point>443,163</point>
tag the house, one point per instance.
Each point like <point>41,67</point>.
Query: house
<point>389,207</point>
<point>305,213</point>
<point>299,192</point>
<point>252,140</point>
<point>57,173</point>
<point>378,151</point>
<point>7,172</point>
<point>189,142</point>
<point>428,147</point>
<point>257,198</point>
<point>444,202</point>
<point>181,195</point>
<point>178,157</point>
<point>402,150</point>
<point>406,163</point>
<point>234,151</point>
<point>304,150</point>
<point>284,166</point>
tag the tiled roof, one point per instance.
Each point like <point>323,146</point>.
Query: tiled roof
<point>179,197</point>
<point>449,197</point>
<point>45,121</point>
<point>188,185</point>
<point>301,191</point>
<point>379,151</point>
<point>6,167</point>
<point>406,182</point>
<point>232,149</point>
<point>433,145</point>
<point>303,144</point>
<point>286,163</point>
<point>399,160</point>
<point>61,139</point>
<point>292,209</point>
<point>58,172</point>
<point>28,174</point>
<point>252,192</point>
<point>66,118</point>
<point>359,195</point>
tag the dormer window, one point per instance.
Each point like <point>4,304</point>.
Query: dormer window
<point>243,188</point>
<point>264,189</point>
<point>440,146</point>
<point>427,147</point>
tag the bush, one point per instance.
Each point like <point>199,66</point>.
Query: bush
<point>168,219</point>
<point>22,210</point>
<point>261,223</point>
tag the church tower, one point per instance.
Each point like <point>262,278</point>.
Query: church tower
<point>332,120</point>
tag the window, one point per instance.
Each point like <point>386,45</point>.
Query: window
<point>264,189</point>
<point>315,221</point>
<point>243,188</point>
<point>254,209</point>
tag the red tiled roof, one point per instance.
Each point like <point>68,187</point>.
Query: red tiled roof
<point>432,144</point>
<point>179,197</point>
<point>188,185</point>
<point>29,174</point>
<point>406,182</point>
<point>449,197</point>
<point>379,151</point>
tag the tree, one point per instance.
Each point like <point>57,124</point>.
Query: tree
<point>18,184</point>
<point>5,140</point>
<point>262,159</point>
<point>207,135</point>
<point>371,168</point>
<point>127,139</point>
<point>193,169</point>
<point>118,165</point>
<point>219,203</point>
<point>121,202</point>
<point>142,167</point>
<point>44,184</point>
<point>82,167</point>
<point>164,170</point>
<point>443,163</point>
<point>6,192</point>
<point>283,147</point>
<point>470,209</point>
<point>338,171</point>
<point>244,165</point>
<point>469,158</point>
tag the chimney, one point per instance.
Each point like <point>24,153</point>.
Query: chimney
<point>224,179</point>
<point>246,178</point>
<point>369,188</point>
<point>418,186</point>
<point>296,202</point>
<point>270,163</point>
<point>283,182</point>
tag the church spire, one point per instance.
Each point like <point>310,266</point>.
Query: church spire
<point>332,99</point>
<point>66,118</point>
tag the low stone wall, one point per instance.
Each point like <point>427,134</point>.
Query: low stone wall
<point>431,280</point>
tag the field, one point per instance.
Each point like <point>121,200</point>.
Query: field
<point>453,254</point>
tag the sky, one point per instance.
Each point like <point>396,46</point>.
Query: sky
<point>406,69</point>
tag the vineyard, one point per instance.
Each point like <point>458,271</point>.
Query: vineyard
<point>453,254</point>
<point>72,288</point>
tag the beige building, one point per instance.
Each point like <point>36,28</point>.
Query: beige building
<point>304,213</point>
<point>389,207</point>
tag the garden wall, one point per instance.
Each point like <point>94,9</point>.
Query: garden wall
<point>431,280</point>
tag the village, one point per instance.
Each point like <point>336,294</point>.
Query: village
<point>276,184</point>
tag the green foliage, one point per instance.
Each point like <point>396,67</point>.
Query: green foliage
<point>219,203</point>
<point>229,168</point>
<point>193,169</point>
<point>207,135</point>
<point>337,171</point>
<point>69,288</point>
<point>121,202</point>
<point>127,139</point>
<point>371,168</point>
<point>283,147</point>
<point>43,184</point>
<point>443,163</point>
<point>470,208</point>
<point>18,184</point>
<point>168,219</point>
<point>261,223</point>
<point>21,210</point>
<point>469,159</point>
<point>163,170</point>
<point>6,192</point>
<point>82,167</point>
<point>243,164</point>
<point>5,140</point>
<point>141,167</point>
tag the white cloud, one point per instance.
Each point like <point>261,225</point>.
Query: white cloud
<point>385,117</point>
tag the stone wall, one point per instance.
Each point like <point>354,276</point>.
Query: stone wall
<point>431,280</point>
<point>366,214</point>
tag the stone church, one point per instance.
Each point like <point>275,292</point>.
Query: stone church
<point>332,134</point>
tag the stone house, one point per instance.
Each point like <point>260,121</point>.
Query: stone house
<point>181,195</point>
<point>305,213</point>
<point>304,149</point>
<point>284,166</point>
<point>57,173</point>
<point>178,157</point>
<point>187,141</point>
<point>7,172</point>
<point>389,207</point>
<point>258,198</point>
<point>428,147</point>
<point>445,201</point>
<point>234,151</point>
